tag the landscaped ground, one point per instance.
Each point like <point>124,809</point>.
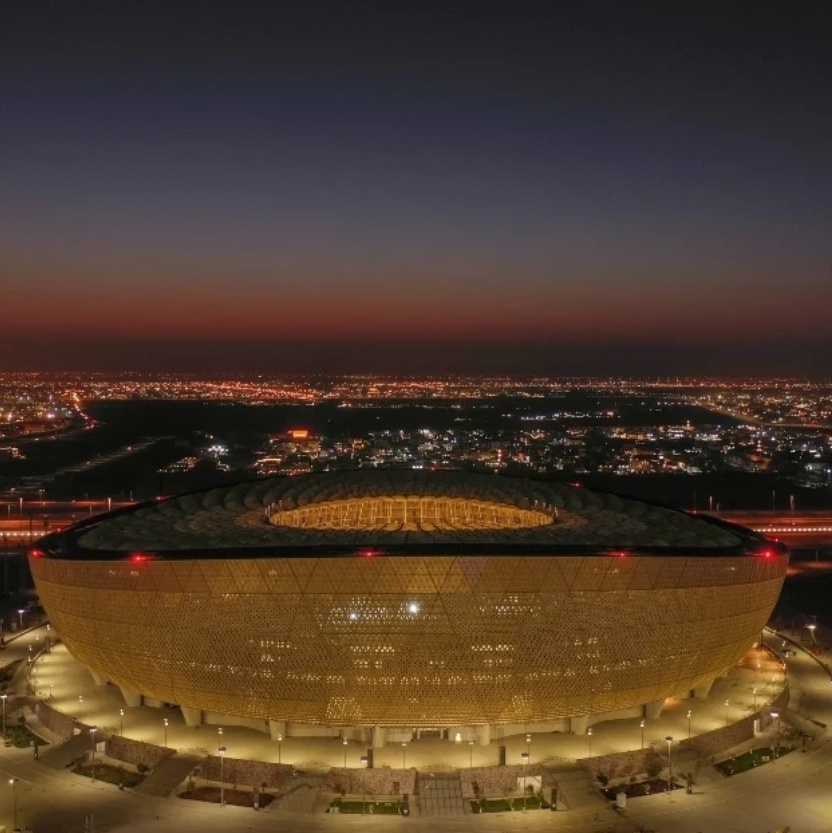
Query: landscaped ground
<point>239,798</point>
<point>750,760</point>
<point>651,787</point>
<point>504,805</point>
<point>21,737</point>
<point>369,808</point>
<point>111,774</point>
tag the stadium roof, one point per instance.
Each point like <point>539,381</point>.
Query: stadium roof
<point>398,511</point>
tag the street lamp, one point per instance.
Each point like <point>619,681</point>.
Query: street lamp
<point>279,745</point>
<point>345,742</point>
<point>13,782</point>
<point>775,715</point>
<point>811,631</point>
<point>529,745</point>
<point>165,722</point>
<point>222,776</point>
<point>4,697</point>
<point>404,751</point>
<point>727,702</point>
<point>525,757</point>
<point>669,740</point>
<point>93,730</point>
<point>121,722</point>
<point>471,756</point>
<point>641,724</point>
<point>20,612</point>
<point>754,692</point>
<point>589,735</point>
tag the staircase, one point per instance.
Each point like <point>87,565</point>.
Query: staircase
<point>577,789</point>
<point>440,794</point>
<point>65,755</point>
<point>168,774</point>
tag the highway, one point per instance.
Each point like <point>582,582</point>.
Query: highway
<point>22,520</point>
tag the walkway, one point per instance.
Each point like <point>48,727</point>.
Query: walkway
<point>791,791</point>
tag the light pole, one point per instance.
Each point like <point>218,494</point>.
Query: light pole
<point>641,724</point>
<point>589,736</point>
<point>93,730</point>
<point>4,697</point>
<point>811,631</point>
<point>754,692</point>
<point>727,702</point>
<point>344,742</point>
<point>20,612</point>
<point>471,755</point>
<point>529,746</point>
<point>13,782</point>
<point>121,722</point>
<point>279,745</point>
<point>222,776</point>
<point>775,715</point>
<point>689,714</point>
<point>525,757</point>
<point>669,740</point>
<point>165,722</point>
<point>404,751</point>
<point>48,638</point>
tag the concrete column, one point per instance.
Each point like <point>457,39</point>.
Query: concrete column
<point>379,737</point>
<point>578,725</point>
<point>277,727</point>
<point>98,679</point>
<point>131,698</point>
<point>653,711</point>
<point>153,702</point>
<point>483,734</point>
<point>193,717</point>
<point>703,691</point>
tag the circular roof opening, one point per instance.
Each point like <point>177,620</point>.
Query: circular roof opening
<point>400,513</point>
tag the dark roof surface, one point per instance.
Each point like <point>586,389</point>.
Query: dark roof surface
<point>233,518</point>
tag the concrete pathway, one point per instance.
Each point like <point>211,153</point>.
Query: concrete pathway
<point>793,790</point>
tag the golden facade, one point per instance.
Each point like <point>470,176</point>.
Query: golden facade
<point>410,640</point>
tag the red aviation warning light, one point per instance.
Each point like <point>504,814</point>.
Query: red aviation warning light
<point>140,557</point>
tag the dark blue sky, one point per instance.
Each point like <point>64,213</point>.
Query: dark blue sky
<point>417,188</point>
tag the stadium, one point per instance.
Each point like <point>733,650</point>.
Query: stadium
<point>395,603</point>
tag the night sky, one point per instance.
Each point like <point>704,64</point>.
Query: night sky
<point>414,187</point>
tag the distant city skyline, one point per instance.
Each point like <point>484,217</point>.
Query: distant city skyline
<point>331,188</point>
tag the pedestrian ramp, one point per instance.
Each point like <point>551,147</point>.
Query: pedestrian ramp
<point>169,773</point>
<point>802,724</point>
<point>440,794</point>
<point>577,789</point>
<point>67,753</point>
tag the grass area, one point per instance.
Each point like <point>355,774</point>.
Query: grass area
<point>753,759</point>
<point>21,736</point>
<point>239,798</point>
<point>111,774</point>
<point>7,672</point>
<point>651,787</point>
<point>370,808</point>
<point>505,805</point>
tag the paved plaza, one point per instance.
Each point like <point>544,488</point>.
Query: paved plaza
<point>794,790</point>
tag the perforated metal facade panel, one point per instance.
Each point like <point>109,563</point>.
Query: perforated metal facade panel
<point>411,640</point>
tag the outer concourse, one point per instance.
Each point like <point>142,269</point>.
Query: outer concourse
<point>205,601</point>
